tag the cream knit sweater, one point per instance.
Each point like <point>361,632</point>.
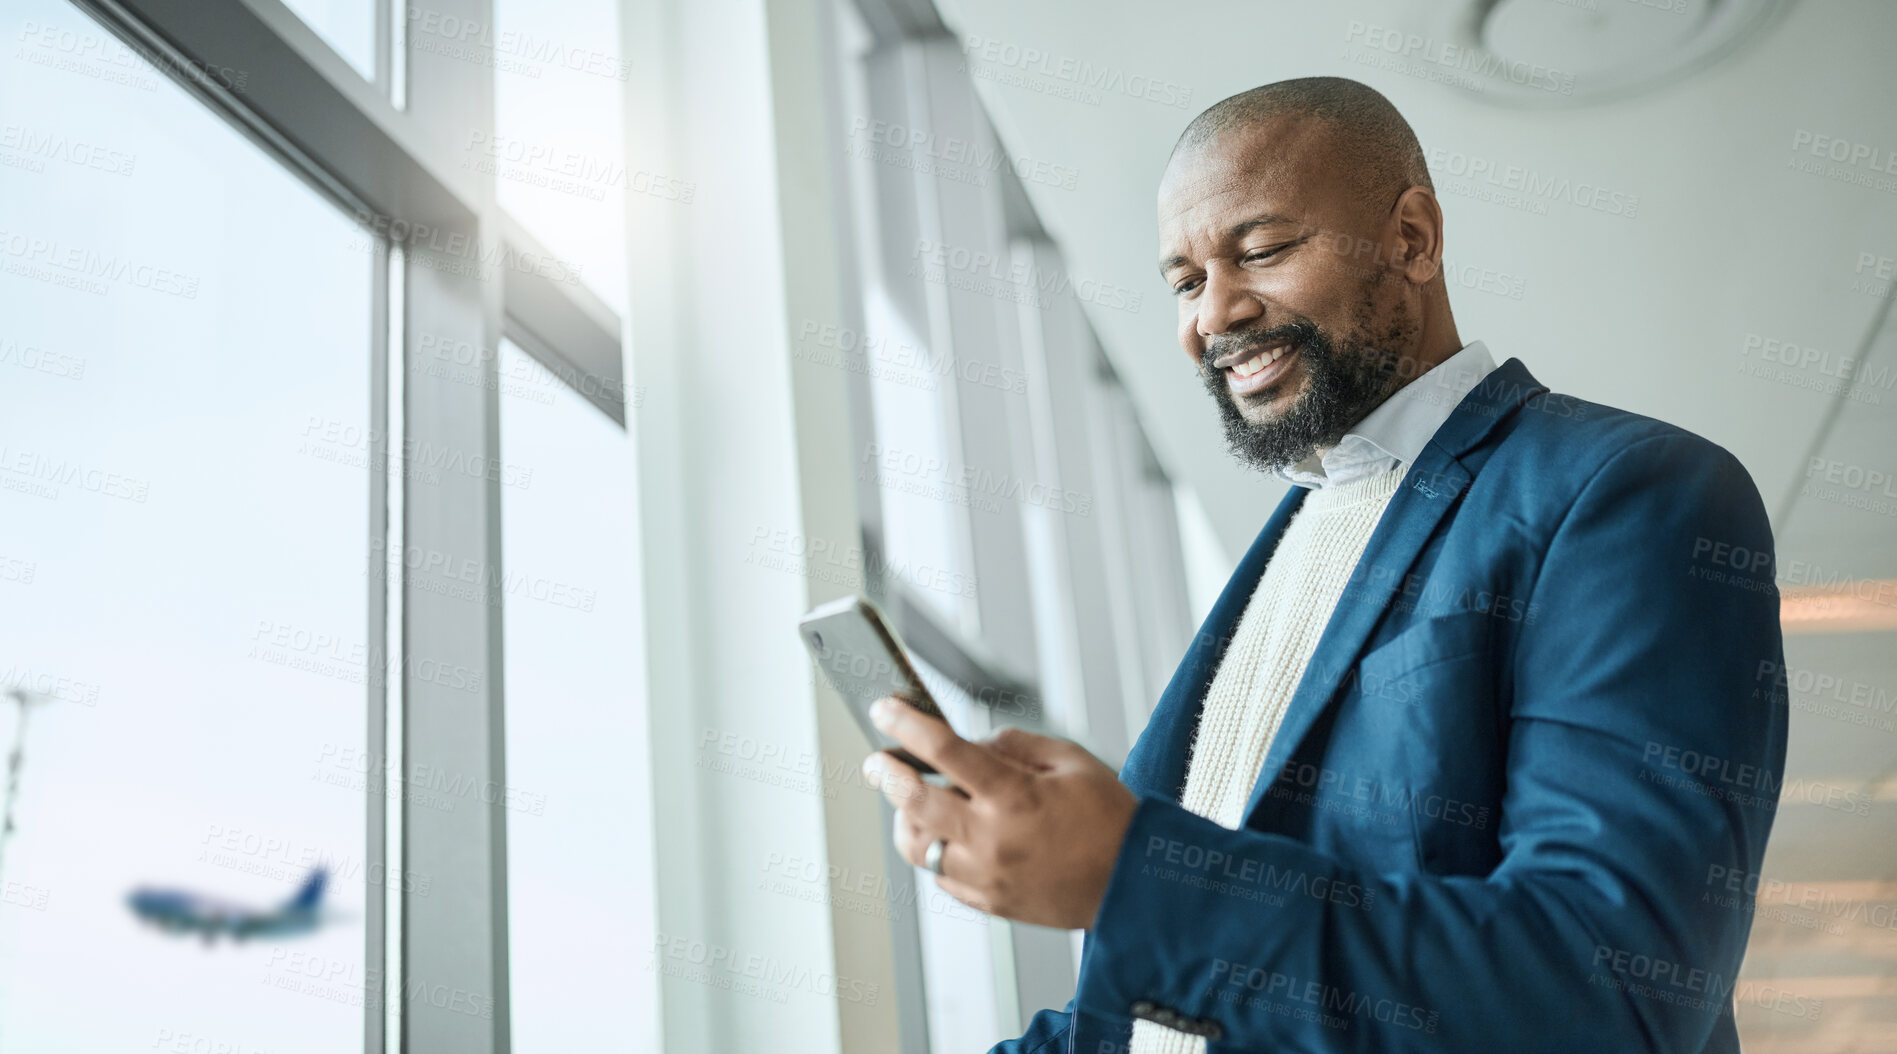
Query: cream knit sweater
<point>1264,662</point>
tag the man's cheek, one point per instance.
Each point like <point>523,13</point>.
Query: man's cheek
<point>1189,335</point>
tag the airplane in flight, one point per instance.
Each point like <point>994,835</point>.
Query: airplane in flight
<point>177,911</point>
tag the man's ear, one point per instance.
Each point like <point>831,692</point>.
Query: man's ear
<point>1419,232</point>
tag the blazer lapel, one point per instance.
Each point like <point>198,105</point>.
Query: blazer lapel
<point>1157,762</point>
<point>1429,490</point>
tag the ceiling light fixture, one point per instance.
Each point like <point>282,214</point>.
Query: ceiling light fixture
<point>1570,52</point>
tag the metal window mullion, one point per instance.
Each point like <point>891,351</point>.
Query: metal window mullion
<point>388,725</point>
<point>384,46</point>
<point>912,1006</point>
<point>561,323</point>
<point>455,928</point>
<point>375,915</point>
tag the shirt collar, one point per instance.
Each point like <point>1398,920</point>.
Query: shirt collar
<point>1397,430</point>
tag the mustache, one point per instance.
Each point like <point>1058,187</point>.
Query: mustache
<point>1303,333</point>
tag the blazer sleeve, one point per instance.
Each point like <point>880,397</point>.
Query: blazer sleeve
<point>1045,1034</point>
<point>1645,749</point>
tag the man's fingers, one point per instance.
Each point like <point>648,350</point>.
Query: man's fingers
<point>898,781</point>
<point>912,843</point>
<point>974,767</point>
<point>909,842</point>
<point>935,808</point>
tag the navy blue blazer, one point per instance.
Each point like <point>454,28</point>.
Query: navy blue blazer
<point>1542,732</point>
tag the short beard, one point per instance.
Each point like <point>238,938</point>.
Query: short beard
<point>1346,378</point>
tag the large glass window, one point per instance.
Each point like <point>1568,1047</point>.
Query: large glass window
<point>912,463</point>
<point>556,152</point>
<point>348,26</point>
<point>184,506</point>
<point>925,530</point>
<point>578,885</point>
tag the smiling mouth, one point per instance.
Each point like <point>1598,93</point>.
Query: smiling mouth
<point>1261,369</point>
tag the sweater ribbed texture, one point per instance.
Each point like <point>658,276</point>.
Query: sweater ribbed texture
<point>1253,685</point>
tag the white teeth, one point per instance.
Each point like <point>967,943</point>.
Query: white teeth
<point>1253,365</point>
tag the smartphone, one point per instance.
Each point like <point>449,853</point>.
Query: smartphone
<point>864,661</point>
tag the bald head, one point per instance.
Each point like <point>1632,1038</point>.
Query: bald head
<point>1303,242</point>
<point>1357,130</point>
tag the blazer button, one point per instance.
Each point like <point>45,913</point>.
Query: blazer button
<point>1143,1008</point>
<point>1211,1031</point>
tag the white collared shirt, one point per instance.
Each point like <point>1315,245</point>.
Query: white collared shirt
<point>1395,432</point>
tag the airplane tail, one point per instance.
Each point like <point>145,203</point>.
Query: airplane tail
<point>311,894</point>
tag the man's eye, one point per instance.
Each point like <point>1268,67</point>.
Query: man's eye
<point>1263,254</point>
<point>1185,287</point>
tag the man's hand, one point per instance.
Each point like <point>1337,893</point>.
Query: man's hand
<point>1033,824</point>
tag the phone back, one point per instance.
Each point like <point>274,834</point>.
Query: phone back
<point>861,657</point>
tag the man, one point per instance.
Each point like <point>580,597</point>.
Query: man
<point>1454,756</point>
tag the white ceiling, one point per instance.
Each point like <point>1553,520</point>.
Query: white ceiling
<point>1648,312</point>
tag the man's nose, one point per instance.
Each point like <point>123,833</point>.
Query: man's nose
<point>1225,305</point>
